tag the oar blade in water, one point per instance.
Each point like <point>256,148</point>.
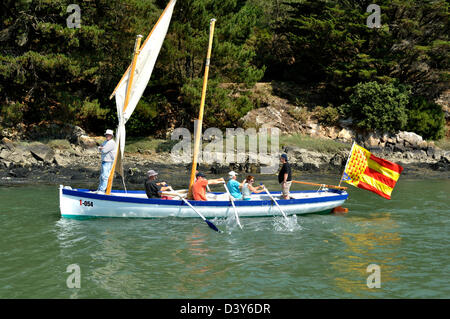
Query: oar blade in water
<point>212,226</point>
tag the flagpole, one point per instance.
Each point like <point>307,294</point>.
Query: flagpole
<point>348,158</point>
<point>202,104</point>
<point>127,98</point>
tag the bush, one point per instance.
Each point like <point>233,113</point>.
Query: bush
<point>11,114</point>
<point>222,109</point>
<point>375,106</point>
<point>300,114</point>
<point>426,118</point>
<point>327,115</point>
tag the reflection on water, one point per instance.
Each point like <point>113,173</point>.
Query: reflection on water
<point>373,240</point>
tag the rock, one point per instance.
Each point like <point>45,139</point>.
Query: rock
<point>409,139</point>
<point>312,128</point>
<point>345,135</point>
<point>372,141</point>
<point>408,155</point>
<point>21,172</point>
<point>8,143</point>
<point>443,164</point>
<point>305,159</point>
<point>337,160</point>
<point>399,147</point>
<point>60,160</point>
<point>423,145</point>
<point>6,164</point>
<point>75,134</point>
<point>42,153</point>
<point>5,153</point>
<point>17,157</point>
<point>431,151</point>
<point>87,142</point>
<point>331,132</point>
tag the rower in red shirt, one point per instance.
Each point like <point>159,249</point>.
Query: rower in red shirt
<point>199,187</point>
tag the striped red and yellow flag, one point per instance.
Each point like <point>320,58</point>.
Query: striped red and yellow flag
<point>366,171</point>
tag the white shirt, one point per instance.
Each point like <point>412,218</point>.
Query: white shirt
<point>108,150</point>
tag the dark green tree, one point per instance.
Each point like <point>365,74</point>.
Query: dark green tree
<point>375,106</point>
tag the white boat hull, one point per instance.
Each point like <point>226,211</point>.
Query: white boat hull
<point>78,203</point>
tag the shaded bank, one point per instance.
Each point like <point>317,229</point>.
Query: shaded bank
<point>41,164</point>
<point>71,157</point>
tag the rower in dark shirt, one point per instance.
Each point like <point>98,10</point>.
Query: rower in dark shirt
<point>285,177</point>
<point>153,188</point>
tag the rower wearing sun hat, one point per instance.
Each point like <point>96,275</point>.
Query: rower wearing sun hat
<point>234,186</point>
<point>153,189</point>
<point>107,150</point>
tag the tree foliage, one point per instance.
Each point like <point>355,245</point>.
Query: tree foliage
<point>50,73</point>
<point>426,118</point>
<point>375,106</point>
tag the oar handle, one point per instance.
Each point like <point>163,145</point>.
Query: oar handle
<point>315,184</point>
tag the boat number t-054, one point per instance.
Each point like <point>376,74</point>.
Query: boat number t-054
<point>86,203</point>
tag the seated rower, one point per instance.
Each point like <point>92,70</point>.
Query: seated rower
<point>153,189</point>
<point>248,188</point>
<point>199,187</point>
<point>234,186</point>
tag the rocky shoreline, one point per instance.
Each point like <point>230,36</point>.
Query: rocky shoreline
<point>79,161</point>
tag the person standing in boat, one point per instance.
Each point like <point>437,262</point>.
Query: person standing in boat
<point>285,177</point>
<point>199,186</point>
<point>107,150</point>
<point>234,186</point>
<point>153,189</point>
<point>248,188</point>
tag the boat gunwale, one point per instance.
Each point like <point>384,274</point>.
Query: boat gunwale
<point>341,195</point>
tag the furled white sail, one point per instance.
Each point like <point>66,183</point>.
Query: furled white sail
<point>144,67</point>
<point>144,64</point>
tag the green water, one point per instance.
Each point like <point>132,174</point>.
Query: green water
<point>321,256</point>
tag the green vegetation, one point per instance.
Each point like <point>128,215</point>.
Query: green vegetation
<point>443,144</point>
<point>148,144</point>
<point>313,143</point>
<point>49,72</point>
<point>376,106</point>
<point>327,115</point>
<point>426,118</point>
<point>59,144</point>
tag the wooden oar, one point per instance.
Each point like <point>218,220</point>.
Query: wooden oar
<point>210,224</point>
<point>268,193</point>
<point>234,207</point>
<point>314,184</point>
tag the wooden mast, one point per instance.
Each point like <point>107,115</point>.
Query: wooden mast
<point>198,133</point>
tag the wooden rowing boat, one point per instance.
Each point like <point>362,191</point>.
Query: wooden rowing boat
<point>83,203</point>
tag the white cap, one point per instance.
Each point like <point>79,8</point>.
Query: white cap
<point>109,132</point>
<point>151,173</point>
<point>232,173</point>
